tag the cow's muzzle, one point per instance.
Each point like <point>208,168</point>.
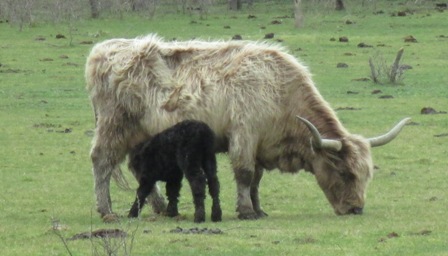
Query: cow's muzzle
<point>355,210</point>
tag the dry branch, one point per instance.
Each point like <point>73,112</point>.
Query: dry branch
<point>373,72</point>
<point>394,71</point>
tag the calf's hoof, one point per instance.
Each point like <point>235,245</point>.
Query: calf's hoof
<point>110,218</point>
<point>132,215</point>
<point>171,213</point>
<point>199,219</point>
<point>216,216</point>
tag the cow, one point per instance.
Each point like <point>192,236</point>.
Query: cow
<point>187,149</point>
<point>259,100</point>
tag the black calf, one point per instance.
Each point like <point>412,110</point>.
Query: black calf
<point>187,149</point>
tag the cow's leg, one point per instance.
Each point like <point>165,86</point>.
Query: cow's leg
<point>157,200</point>
<point>254,191</point>
<point>241,153</point>
<point>105,159</point>
<point>244,207</point>
<point>112,137</point>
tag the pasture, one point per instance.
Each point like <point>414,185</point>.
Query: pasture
<point>46,128</point>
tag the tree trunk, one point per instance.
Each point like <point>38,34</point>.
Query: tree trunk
<point>133,5</point>
<point>94,9</point>
<point>234,5</point>
<point>339,5</point>
<point>298,15</point>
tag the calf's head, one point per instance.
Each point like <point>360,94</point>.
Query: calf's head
<point>343,168</point>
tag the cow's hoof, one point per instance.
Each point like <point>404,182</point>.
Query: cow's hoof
<point>261,214</point>
<point>248,216</point>
<point>158,205</point>
<point>110,218</point>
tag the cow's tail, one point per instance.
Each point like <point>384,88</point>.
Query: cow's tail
<point>120,179</point>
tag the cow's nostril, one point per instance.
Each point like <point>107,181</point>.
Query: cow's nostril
<point>356,210</point>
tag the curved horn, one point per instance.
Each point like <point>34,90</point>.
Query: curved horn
<point>318,142</point>
<point>386,138</point>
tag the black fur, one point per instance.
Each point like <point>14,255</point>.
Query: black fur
<point>187,149</point>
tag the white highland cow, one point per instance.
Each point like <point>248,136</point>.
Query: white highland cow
<point>259,100</point>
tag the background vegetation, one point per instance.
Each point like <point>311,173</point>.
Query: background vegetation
<point>46,127</point>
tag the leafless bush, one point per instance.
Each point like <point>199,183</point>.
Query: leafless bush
<point>381,72</point>
<point>109,242</point>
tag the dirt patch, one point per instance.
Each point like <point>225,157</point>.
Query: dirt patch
<point>269,36</point>
<point>70,64</point>
<point>347,108</point>
<point>343,39</point>
<point>424,232</point>
<point>86,42</point>
<point>13,71</point>
<point>100,233</point>
<point>305,240</point>
<point>389,236</point>
<point>237,37</point>
<point>364,45</point>
<point>430,111</point>
<point>46,125</point>
<point>410,39</point>
<point>205,231</point>
<point>362,79</point>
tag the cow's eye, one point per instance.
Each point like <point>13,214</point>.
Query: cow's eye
<point>347,176</point>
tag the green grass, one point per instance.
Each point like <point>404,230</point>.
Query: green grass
<point>46,123</point>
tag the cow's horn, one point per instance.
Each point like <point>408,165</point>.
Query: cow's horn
<point>318,142</point>
<point>388,137</point>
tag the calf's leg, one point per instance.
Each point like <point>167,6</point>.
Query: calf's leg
<point>143,191</point>
<point>197,184</point>
<point>172,192</point>
<point>213,186</point>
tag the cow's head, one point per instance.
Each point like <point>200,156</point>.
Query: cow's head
<point>343,168</point>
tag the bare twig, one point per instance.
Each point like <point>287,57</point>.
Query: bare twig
<point>57,232</point>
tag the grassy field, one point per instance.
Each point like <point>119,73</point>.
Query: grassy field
<point>46,127</point>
